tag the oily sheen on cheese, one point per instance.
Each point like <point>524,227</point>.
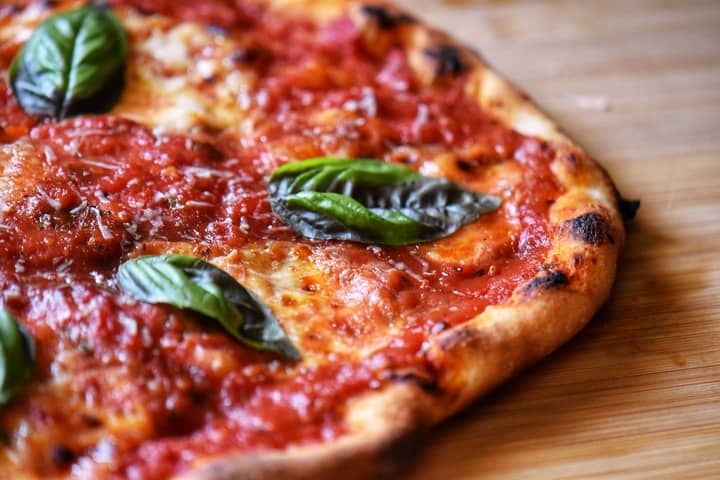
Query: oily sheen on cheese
<point>124,389</point>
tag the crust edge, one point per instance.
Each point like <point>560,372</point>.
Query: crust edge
<point>386,427</point>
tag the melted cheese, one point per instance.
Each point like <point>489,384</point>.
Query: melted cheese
<point>93,425</point>
<point>316,297</point>
<point>182,77</point>
<point>21,167</point>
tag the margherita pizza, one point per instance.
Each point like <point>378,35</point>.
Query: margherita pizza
<point>271,238</point>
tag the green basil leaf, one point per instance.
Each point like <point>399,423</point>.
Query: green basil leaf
<point>73,63</point>
<point>371,201</point>
<point>191,283</point>
<point>17,356</point>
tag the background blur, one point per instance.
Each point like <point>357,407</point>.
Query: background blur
<point>635,395</point>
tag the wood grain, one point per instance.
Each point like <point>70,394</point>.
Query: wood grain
<point>637,394</point>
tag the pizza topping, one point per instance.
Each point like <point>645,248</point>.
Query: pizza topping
<point>17,355</point>
<point>73,63</point>
<point>371,201</point>
<point>385,18</point>
<point>188,282</point>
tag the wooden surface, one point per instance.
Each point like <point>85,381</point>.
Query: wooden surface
<point>637,393</point>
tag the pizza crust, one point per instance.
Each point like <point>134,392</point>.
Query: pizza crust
<point>385,426</point>
<point>472,358</point>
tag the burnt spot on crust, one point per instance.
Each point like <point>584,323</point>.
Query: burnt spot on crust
<point>470,161</point>
<point>592,228</point>
<point>385,18</point>
<point>471,164</point>
<point>427,384</point>
<point>573,161</point>
<point>448,60</point>
<point>552,279</point>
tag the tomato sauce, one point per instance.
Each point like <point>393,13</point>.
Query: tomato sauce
<point>109,184</point>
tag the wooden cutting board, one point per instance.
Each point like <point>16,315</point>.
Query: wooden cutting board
<point>637,393</point>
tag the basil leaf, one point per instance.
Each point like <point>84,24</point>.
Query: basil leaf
<point>73,63</point>
<point>371,201</point>
<point>191,283</point>
<point>17,356</point>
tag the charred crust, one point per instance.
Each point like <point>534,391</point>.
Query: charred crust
<point>428,385</point>
<point>551,280</point>
<point>385,19</point>
<point>592,228</point>
<point>448,60</point>
<point>469,162</point>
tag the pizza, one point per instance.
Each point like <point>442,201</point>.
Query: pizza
<point>271,238</point>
